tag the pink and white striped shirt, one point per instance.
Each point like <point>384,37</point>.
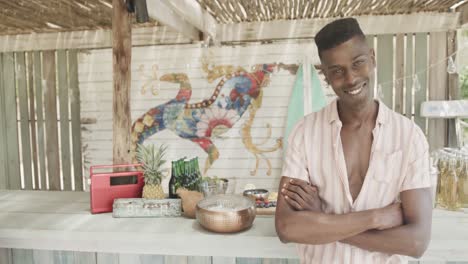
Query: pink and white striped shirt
<point>399,161</point>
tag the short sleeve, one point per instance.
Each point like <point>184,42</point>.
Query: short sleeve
<point>418,171</point>
<point>295,162</point>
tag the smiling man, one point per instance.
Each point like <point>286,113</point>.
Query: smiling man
<point>356,184</point>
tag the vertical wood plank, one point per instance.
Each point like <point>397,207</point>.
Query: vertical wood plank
<point>409,79</point>
<point>129,259</point>
<point>175,259</point>
<point>32,115</point>
<point>63,257</point>
<point>64,118</point>
<point>43,256</point>
<point>151,259</point>
<point>420,69</point>
<point>84,257</point>
<point>453,88</point>
<point>75,119</point>
<point>223,260</point>
<point>3,139</point>
<point>22,256</point>
<point>121,61</point>
<point>24,119</point>
<point>5,256</point>
<point>198,260</point>
<point>437,132</point>
<point>14,177</point>
<point>370,42</point>
<point>38,85</point>
<point>248,261</point>
<point>293,261</point>
<point>385,68</point>
<point>399,72</point>
<point>50,103</point>
<point>107,258</point>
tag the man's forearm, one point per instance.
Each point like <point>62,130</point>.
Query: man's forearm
<point>308,227</point>
<point>406,240</point>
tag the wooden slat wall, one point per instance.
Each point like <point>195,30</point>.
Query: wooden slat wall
<point>62,71</point>
<point>3,139</point>
<point>399,73</point>
<point>75,119</point>
<point>24,120</point>
<point>32,118</point>
<point>30,133</point>
<point>438,90</point>
<point>50,111</point>
<point>40,120</point>
<point>385,68</point>
<point>14,176</point>
<point>235,162</point>
<point>454,90</point>
<point>409,70</point>
<point>28,256</point>
<point>399,57</point>
<point>420,69</point>
<point>370,42</point>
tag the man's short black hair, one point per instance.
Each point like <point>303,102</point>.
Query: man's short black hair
<point>336,33</point>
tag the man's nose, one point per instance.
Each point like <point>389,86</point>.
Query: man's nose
<point>350,78</point>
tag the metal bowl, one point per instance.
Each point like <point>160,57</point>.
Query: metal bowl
<point>226,213</point>
<point>255,194</point>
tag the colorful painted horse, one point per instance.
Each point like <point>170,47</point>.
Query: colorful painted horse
<point>199,122</point>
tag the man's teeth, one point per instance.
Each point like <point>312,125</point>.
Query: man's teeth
<point>354,92</point>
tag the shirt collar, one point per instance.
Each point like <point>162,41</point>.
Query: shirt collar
<point>381,115</point>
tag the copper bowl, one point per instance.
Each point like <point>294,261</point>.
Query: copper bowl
<point>226,213</point>
<point>255,194</point>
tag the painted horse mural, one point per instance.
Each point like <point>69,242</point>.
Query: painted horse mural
<point>236,92</point>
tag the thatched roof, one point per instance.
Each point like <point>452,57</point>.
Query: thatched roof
<point>235,11</point>
<point>26,16</point>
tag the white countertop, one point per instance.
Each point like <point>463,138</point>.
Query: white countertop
<point>62,221</point>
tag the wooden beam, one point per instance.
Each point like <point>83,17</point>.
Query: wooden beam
<point>307,28</point>
<point>463,9</point>
<point>162,12</point>
<point>121,62</point>
<point>193,13</point>
<point>88,39</point>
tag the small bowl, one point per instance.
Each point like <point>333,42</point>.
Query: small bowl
<point>255,194</point>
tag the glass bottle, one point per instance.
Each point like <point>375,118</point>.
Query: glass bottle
<point>172,187</point>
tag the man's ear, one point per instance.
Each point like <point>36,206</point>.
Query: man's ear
<point>321,70</point>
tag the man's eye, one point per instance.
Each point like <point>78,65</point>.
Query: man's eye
<point>337,71</point>
<point>358,63</point>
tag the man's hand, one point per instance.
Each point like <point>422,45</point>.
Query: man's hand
<point>301,195</point>
<point>390,216</point>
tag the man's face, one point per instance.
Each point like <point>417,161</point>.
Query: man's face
<point>349,69</point>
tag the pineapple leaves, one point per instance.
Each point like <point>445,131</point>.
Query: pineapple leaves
<point>152,161</point>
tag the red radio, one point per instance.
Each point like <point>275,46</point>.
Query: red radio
<point>105,187</point>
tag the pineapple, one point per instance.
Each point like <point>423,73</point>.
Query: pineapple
<point>152,160</point>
